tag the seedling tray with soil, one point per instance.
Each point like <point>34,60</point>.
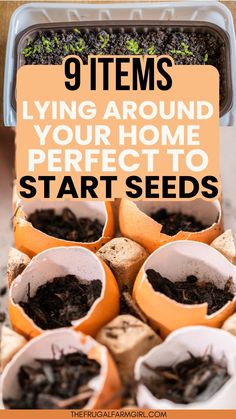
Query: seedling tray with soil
<point>56,383</point>
<point>66,225</point>
<point>57,303</point>
<point>195,379</point>
<point>187,42</point>
<point>173,222</point>
<point>192,291</point>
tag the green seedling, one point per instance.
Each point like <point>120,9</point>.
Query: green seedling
<point>133,47</point>
<point>76,30</point>
<point>186,49</point>
<point>47,44</point>
<point>56,40</point>
<point>80,45</point>
<point>72,48</point>
<point>177,52</point>
<point>185,52</point>
<point>37,48</point>
<point>205,59</point>
<point>104,40</point>
<point>27,51</point>
<point>29,41</point>
<point>151,50</point>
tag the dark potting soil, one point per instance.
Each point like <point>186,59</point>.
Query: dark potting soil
<point>56,383</point>
<point>191,291</point>
<point>66,225</point>
<point>56,303</point>
<point>173,222</point>
<point>195,379</point>
<point>184,47</point>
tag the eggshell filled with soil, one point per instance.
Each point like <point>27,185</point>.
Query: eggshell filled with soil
<point>105,385</point>
<point>32,240</point>
<point>56,263</point>
<point>137,224</point>
<point>197,341</point>
<point>176,261</point>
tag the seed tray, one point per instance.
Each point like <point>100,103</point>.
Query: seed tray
<point>191,11</point>
<point>140,27</point>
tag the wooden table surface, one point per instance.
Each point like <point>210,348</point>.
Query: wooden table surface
<point>6,10</point>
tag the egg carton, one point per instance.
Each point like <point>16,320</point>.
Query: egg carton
<point>50,13</point>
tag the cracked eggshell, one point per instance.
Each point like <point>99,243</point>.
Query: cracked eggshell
<point>136,223</point>
<point>175,261</point>
<point>198,340</point>
<point>105,385</point>
<point>62,261</point>
<point>33,241</point>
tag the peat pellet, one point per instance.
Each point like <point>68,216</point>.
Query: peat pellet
<point>66,225</point>
<point>59,302</point>
<point>225,244</point>
<point>230,324</point>
<point>17,262</point>
<point>173,222</point>
<point>125,257</point>
<point>11,343</point>
<point>191,291</point>
<point>127,338</point>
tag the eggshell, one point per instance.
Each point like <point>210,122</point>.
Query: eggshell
<point>136,223</point>
<point>197,340</point>
<point>32,241</point>
<point>175,261</point>
<point>105,386</point>
<point>62,261</point>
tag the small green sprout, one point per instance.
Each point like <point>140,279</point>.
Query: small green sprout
<point>186,49</point>
<point>205,59</point>
<point>47,44</point>
<point>72,48</point>
<point>27,51</point>
<point>80,45</point>
<point>37,48</point>
<point>133,46</point>
<point>48,49</point>
<point>56,40</point>
<point>151,50</point>
<point>76,30</point>
<point>104,40</point>
<point>66,48</point>
<point>177,52</point>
